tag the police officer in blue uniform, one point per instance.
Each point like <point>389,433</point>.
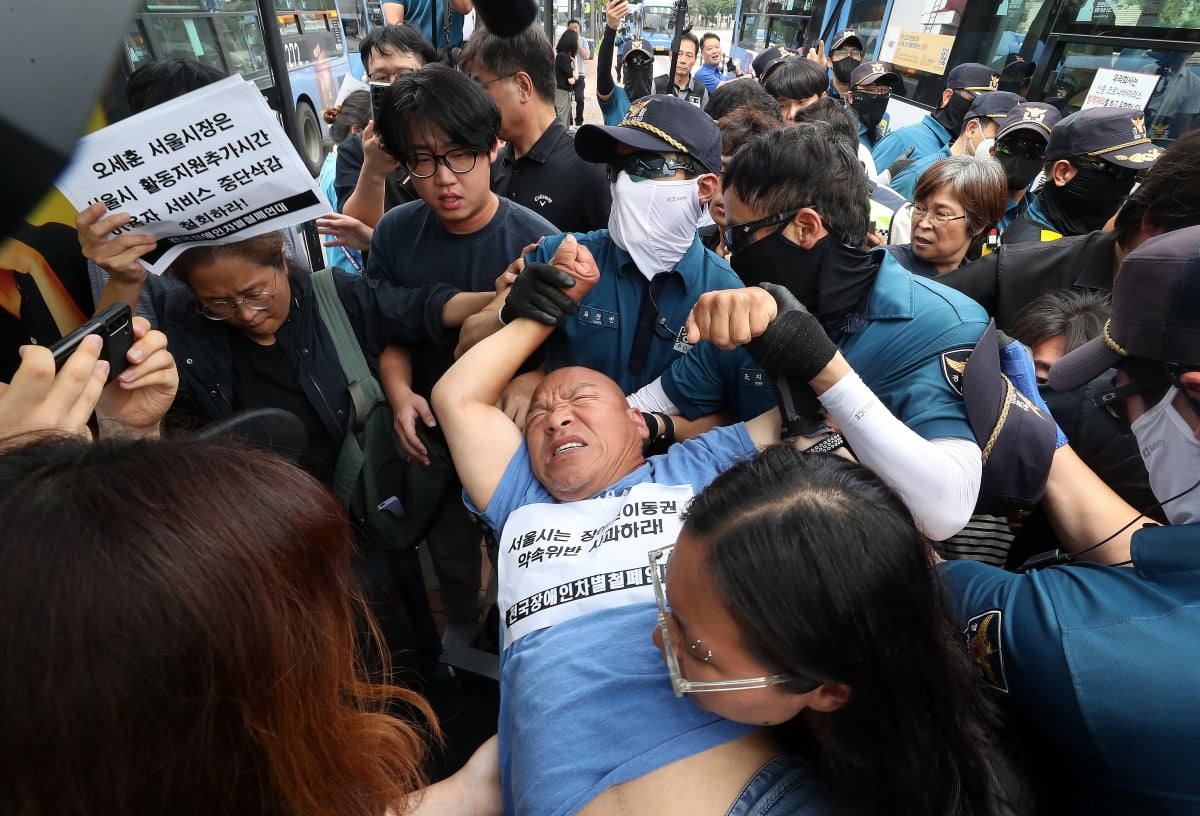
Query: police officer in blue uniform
<point>1021,150</point>
<point>938,129</point>
<point>1097,656</point>
<point>1092,160</point>
<point>871,87</point>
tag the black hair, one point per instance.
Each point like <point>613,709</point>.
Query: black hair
<point>824,573</point>
<point>742,125</point>
<point>796,78</point>
<point>576,22</point>
<point>1169,197</point>
<point>838,114</point>
<point>406,39</point>
<point>690,37</point>
<point>805,165</point>
<point>568,43</point>
<point>529,52</point>
<point>439,97</point>
<point>1076,314</point>
<point>708,35</point>
<point>742,94</point>
<point>158,82</point>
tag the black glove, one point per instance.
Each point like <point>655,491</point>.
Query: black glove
<point>793,350</point>
<point>538,294</point>
<point>899,164</point>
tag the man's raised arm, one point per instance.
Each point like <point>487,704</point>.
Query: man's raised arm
<point>481,437</point>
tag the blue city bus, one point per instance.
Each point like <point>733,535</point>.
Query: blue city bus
<point>229,36</point>
<point>654,21</point>
<point>1061,53</point>
<point>359,18</point>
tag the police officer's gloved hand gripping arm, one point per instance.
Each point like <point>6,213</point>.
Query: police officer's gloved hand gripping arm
<point>937,479</point>
<point>481,437</point>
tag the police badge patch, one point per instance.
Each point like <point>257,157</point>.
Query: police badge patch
<point>982,638</point>
<point>954,364</point>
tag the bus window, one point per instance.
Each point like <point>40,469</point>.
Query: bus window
<point>751,33</point>
<point>865,17</point>
<point>244,43</point>
<point>187,38</point>
<point>137,44</point>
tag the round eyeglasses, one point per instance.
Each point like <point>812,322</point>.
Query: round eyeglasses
<point>225,309</point>
<point>424,165</point>
<point>679,684</point>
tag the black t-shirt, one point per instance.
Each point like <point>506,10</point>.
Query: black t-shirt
<point>564,67</point>
<point>572,194</point>
<point>264,377</point>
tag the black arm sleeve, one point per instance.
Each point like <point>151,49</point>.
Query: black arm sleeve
<point>604,63</point>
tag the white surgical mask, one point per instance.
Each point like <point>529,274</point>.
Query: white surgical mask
<point>984,148</point>
<point>654,221</point>
<point>1172,456</point>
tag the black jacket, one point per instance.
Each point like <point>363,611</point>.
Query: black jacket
<point>379,312</point>
<point>1007,279</point>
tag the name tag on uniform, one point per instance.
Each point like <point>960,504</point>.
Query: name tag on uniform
<point>598,317</point>
<point>753,378</point>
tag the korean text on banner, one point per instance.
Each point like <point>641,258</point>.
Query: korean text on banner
<point>209,167</point>
<point>1120,89</point>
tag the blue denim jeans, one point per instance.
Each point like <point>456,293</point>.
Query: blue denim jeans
<point>785,786</point>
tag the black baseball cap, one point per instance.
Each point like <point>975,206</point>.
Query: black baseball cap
<point>1117,135</point>
<point>1155,311</point>
<point>658,123</point>
<point>876,73</point>
<point>972,76</point>
<point>638,46</point>
<point>769,57</point>
<point>842,36</point>
<point>995,106</point>
<point>1017,437</point>
<point>1036,118</point>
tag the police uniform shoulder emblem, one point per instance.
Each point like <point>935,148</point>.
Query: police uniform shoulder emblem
<point>982,637</point>
<point>954,365</point>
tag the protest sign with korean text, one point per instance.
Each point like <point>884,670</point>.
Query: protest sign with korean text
<point>209,167</point>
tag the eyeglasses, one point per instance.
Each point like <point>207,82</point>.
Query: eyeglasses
<point>1113,171</point>
<point>424,165</point>
<point>643,166</point>
<point>938,220</point>
<point>1021,147</point>
<point>736,233</point>
<point>493,81</point>
<point>225,309</point>
<point>1175,372</point>
<point>1113,400</point>
<point>682,686</point>
<point>389,78</point>
<point>873,90</point>
<point>842,53</point>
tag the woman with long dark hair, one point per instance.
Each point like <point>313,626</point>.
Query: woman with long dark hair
<point>178,629</point>
<point>802,579</point>
<point>564,74</point>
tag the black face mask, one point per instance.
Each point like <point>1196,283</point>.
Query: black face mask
<point>830,279</point>
<point>843,68</point>
<point>638,79</point>
<point>1019,170</point>
<point>1011,85</point>
<point>1085,202</point>
<point>870,110</point>
<point>951,114</point>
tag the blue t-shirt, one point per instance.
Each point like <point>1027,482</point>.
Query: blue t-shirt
<point>411,248</point>
<point>428,16</point>
<point>586,703</point>
<point>927,136</point>
<point>897,342</point>
<point>602,335</point>
<point>1102,661</point>
<point>615,107</point>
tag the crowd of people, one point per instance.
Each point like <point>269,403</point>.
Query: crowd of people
<point>881,445</point>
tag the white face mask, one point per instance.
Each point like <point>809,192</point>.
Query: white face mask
<point>984,150</point>
<point>1172,456</point>
<point>654,221</point>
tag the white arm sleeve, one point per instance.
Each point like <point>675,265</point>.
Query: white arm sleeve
<point>653,398</point>
<point>938,479</point>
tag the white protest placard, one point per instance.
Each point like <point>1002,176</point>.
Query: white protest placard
<point>350,85</point>
<point>209,167</point>
<point>1120,89</point>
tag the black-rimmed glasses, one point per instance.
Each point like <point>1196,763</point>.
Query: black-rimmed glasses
<point>459,161</point>
<point>736,234</point>
<point>225,309</point>
<point>643,166</point>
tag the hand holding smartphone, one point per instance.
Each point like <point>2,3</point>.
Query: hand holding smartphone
<point>115,327</point>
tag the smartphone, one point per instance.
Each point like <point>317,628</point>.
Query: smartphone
<point>378,89</point>
<point>115,327</point>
